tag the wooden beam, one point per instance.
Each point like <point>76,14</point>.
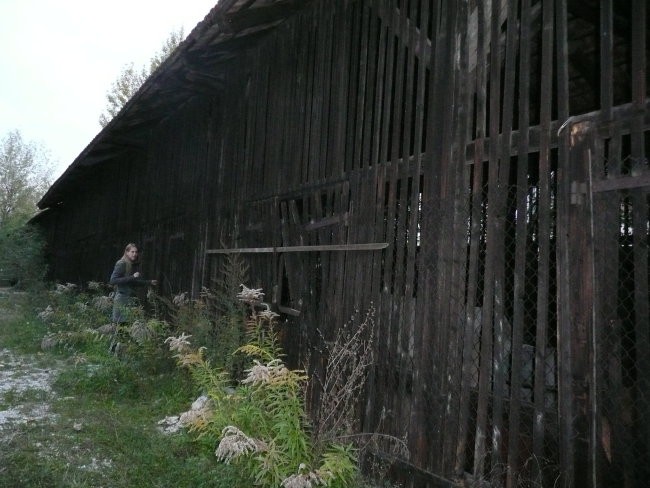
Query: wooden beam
<point>622,183</point>
<point>373,246</point>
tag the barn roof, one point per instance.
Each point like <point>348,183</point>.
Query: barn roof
<point>200,64</point>
<point>196,67</point>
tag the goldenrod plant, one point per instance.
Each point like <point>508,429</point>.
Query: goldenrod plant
<point>261,424</point>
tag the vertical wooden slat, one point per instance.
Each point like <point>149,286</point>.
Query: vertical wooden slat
<point>390,302</point>
<point>401,317</point>
<point>395,137</point>
<point>308,41</point>
<point>380,10</point>
<point>521,232</point>
<point>414,260</point>
<point>564,161</point>
<point>371,76</point>
<point>389,83</point>
<point>606,59</point>
<point>296,102</point>
<point>384,210</point>
<point>546,98</point>
<point>376,207</point>
<point>492,252</point>
<point>379,165</point>
<point>356,16</point>
<point>442,136</point>
<point>640,208</point>
<point>461,185</point>
<point>473,259</point>
<point>326,23</point>
<point>360,95</point>
<point>406,176</point>
<point>317,96</point>
<point>503,330</point>
<point>342,77</point>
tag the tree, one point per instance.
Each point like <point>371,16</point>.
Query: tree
<point>22,258</point>
<point>131,79</point>
<point>24,177</point>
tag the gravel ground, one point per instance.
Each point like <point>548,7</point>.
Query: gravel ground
<point>25,391</point>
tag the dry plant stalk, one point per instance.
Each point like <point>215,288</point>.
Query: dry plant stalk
<point>349,357</point>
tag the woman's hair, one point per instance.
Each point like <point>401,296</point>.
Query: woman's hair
<point>128,247</point>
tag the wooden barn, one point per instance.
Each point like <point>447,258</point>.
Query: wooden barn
<point>476,170</point>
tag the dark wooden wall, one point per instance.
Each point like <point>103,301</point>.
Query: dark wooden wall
<point>499,149</point>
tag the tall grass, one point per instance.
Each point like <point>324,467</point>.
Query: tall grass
<point>103,427</point>
<point>102,424</point>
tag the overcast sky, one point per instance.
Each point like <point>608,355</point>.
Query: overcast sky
<point>58,58</point>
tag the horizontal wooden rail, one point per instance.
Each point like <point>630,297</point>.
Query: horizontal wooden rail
<point>622,183</point>
<point>373,246</point>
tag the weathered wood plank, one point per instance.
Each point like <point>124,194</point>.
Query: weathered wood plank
<point>622,183</point>
<point>331,247</point>
<point>487,326</point>
<point>460,210</point>
<point>342,57</point>
<point>470,336</point>
<point>606,58</point>
<point>515,457</point>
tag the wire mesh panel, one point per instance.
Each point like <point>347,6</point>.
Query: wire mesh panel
<point>621,403</point>
<point>623,400</point>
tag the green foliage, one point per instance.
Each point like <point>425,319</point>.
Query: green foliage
<point>79,323</point>
<point>261,424</point>
<point>216,320</point>
<point>339,467</point>
<point>24,177</point>
<point>22,261</point>
<point>113,401</point>
<point>258,419</point>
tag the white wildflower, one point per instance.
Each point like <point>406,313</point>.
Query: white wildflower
<point>169,425</point>
<point>103,303</point>
<point>181,299</point>
<point>268,314</point>
<point>235,443</point>
<point>82,307</point>
<point>303,480</point>
<point>179,344</point>
<point>67,288</point>
<point>206,294</point>
<point>141,332</point>
<point>78,359</point>
<point>201,409</point>
<point>46,314</point>
<point>252,296</point>
<point>94,285</point>
<point>265,373</point>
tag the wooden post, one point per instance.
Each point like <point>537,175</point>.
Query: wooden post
<point>575,314</point>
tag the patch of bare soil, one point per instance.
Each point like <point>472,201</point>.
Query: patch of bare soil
<point>25,391</point>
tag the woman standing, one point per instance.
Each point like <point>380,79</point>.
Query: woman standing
<point>126,277</point>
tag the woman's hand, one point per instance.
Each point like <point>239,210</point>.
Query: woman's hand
<point>136,274</point>
<point>153,282</point>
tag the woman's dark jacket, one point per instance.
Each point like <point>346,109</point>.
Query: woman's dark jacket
<point>125,283</point>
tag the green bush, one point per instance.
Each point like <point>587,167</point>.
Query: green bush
<point>261,424</point>
<point>22,262</point>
